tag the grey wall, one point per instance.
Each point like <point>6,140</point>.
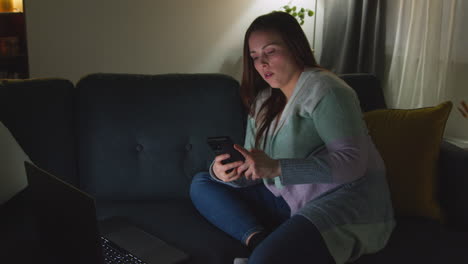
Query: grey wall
<point>72,38</point>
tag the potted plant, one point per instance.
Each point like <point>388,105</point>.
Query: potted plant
<point>298,12</point>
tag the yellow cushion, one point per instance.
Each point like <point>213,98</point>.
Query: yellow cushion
<point>409,142</point>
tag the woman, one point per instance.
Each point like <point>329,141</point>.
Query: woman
<point>312,188</point>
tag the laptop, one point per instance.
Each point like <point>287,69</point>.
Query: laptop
<point>69,231</point>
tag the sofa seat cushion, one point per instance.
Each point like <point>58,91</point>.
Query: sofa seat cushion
<point>178,223</point>
<point>419,240</point>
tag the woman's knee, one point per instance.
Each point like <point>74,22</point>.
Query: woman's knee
<point>201,177</point>
<point>199,181</point>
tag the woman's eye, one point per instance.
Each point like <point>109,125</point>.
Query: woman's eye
<point>270,51</point>
<point>254,58</point>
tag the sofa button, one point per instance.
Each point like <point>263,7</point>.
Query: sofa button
<point>139,147</point>
<point>188,147</point>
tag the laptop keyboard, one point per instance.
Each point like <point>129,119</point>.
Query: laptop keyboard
<point>114,254</point>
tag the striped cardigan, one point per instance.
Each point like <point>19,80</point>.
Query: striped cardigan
<point>332,173</point>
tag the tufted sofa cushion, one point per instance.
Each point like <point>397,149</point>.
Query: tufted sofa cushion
<point>144,137</point>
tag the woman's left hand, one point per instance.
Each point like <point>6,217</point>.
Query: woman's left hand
<point>257,164</point>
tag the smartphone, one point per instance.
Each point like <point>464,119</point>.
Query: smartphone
<point>223,145</point>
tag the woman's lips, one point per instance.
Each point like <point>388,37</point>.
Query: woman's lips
<point>268,75</point>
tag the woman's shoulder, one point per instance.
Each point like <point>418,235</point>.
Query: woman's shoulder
<point>318,84</point>
<point>318,78</point>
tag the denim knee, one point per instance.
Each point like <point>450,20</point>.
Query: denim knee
<point>198,181</point>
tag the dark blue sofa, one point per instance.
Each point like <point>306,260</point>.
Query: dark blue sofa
<point>134,142</point>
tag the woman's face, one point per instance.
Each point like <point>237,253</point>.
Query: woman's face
<point>273,60</point>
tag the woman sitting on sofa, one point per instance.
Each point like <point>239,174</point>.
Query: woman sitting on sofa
<point>312,188</point>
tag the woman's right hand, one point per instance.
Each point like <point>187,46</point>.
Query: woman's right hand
<point>220,169</point>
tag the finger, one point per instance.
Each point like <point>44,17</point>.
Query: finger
<point>241,169</point>
<point>231,175</point>
<point>232,165</point>
<point>242,150</point>
<point>248,174</point>
<point>256,176</point>
<point>245,174</point>
<point>244,166</point>
<point>233,178</point>
<point>222,157</point>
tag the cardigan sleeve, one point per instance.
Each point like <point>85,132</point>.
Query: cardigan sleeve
<point>338,120</point>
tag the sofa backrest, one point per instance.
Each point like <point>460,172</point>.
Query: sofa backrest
<point>39,114</point>
<point>368,90</point>
<point>133,136</point>
<point>144,136</point>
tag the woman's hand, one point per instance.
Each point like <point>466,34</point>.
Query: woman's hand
<point>220,169</point>
<point>257,164</point>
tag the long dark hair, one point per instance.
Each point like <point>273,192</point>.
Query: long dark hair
<point>252,83</point>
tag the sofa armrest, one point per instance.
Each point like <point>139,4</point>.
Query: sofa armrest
<point>453,182</point>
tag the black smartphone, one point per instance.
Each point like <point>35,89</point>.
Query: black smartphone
<point>223,145</point>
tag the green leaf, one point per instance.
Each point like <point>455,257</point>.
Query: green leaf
<point>298,13</point>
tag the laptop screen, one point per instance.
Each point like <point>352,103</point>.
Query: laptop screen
<point>66,219</point>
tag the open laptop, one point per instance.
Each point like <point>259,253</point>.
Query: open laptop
<point>69,233</point>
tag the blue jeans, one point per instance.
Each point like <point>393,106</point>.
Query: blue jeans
<point>240,212</point>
